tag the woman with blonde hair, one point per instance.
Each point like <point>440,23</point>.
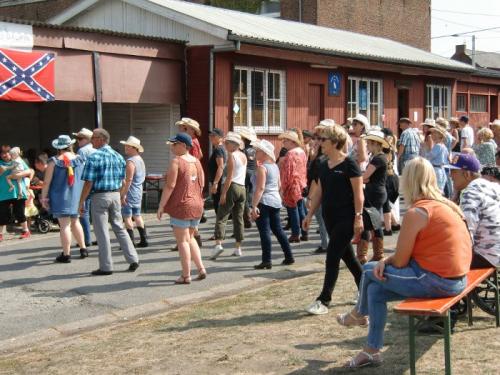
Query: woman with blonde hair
<point>293,174</point>
<point>486,148</point>
<point>432,258</point>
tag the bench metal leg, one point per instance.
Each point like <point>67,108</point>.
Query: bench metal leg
<point>412,328</point>
<point>469,309</point>
<point>447,348</point>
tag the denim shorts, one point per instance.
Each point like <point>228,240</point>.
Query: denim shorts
<point>180,223</point>
<point>128,211</point>
<point>59,216</point>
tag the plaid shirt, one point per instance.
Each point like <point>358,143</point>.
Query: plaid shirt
<point>106,168</point>
<point>411,141</point>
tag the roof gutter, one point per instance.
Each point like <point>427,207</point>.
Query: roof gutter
<point>295,47</point>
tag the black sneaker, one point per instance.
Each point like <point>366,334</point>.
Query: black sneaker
<point>203,219</point>
<point>101,273</point>
<point>262,266</point>
<point>83,253</point>
<point>319,250</point>
<point>304,237</point>
<point>63,258</point>
<point>287,262</point>
<point>395,227</point>
<point>133,267</point>
<point>387,232</point>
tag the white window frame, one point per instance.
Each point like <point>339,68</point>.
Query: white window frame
<point>265,129</point>
<point>355,104</point>
<point>429,101</point>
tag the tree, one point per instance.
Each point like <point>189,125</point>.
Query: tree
<point>249,6</point>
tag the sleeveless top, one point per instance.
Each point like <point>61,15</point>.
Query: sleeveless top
<point>134,194</point>
<point>186,201</point>
<point>444,246</point>
<point>271,195</point>
<point>293,173</point>
<point>239,170</point>
<point>63,198</point>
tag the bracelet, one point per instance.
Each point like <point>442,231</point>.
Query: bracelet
<point>359,214</point>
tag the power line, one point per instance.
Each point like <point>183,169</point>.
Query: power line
<point>466,32</point>
<point>457,23</point>
<point>467,13</point>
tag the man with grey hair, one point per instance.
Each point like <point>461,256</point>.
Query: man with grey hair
<point>103,175</point>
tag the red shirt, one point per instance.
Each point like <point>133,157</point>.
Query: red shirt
<point>196,149</point>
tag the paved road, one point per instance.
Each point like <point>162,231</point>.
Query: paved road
<point>38,293</point>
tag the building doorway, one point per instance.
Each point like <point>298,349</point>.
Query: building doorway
<point>493,107</point>
<point>403,105</point>
<point>315,105</point>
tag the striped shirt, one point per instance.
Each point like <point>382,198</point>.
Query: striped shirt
<point>480,202</point>
<point>410,139</point>
<point>105,168</point>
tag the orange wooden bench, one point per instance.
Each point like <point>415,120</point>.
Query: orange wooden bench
<point>419,308</point>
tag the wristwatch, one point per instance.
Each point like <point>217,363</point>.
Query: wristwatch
<point>359,213</point>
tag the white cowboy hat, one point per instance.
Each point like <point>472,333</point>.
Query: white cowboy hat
<point>495,123</point>
<point>362,119</point>
<point>186,121</point>
<point>248,133</point>
<point>83,133</point>
<point>429,122</point>
<point>440,129</point>
<point>133,142</point>
<point>235,138</point>
<point>377,136</point>
<point>443,122</point>
<point>265,146</point>
<point>290,135</point>
<point>62,142</point>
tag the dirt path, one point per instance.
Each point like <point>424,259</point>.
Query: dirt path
<point>259,332</point>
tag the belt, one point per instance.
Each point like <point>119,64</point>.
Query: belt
<point>106,191</point>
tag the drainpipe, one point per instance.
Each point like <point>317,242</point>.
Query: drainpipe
<point>300,10</point>
<point>213,51</point>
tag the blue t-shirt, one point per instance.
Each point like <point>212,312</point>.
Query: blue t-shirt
<point>5,194</point>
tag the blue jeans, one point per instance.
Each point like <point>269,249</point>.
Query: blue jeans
<point>85,222</point>
<point>297,215</point>
<point>400,283</point>
<point>269,221</point>
<point>323,232</point>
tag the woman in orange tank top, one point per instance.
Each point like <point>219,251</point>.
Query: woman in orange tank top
<point>182,199</point>
<point>432,258</point>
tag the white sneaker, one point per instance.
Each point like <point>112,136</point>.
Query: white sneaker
<point>237,252</point>
<point>218,249</point>
<point>317,308</point>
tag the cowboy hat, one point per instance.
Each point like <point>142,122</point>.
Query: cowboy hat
<point>234,138</point>
<point>290,135</point>
<point>443,122</point>
<point>439,129</point>
<point>363,120</point>
<point>133,142</point>
<point>83,133</point>
<point>62,142</point>
<point>429,122</point>
<point>453,120</point>
<point>495,123</point>
<point>323,124</point>
<point>186,121</point>
<point>248,132</point>
<point>265,146</point>
<point>377,136</point>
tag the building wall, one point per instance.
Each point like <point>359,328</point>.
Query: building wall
<point>479,119</point>
<point>37,11</point>
<point>406,21</point>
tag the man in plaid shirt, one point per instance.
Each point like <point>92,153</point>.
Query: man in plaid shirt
<point>103,175</point>
<point>409,143</point>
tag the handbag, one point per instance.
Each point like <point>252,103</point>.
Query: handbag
<point>372,218</point>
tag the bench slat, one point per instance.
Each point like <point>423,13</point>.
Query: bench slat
<point>439,306</point>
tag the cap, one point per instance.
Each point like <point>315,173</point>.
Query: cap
<point>405,119</point>
<point>466,162</point>
<point>216,131</point>
<point>181,138</point>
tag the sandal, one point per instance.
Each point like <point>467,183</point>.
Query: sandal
<point>202,275</point>
<point>183,280</point>
<point>363,359</point>
<point>349,320</point>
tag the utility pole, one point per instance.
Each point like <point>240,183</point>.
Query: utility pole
<point>473,51</point>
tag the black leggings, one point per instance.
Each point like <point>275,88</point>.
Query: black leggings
<point>376,199</point>
<point>18,209</point>
<point>341,232</point>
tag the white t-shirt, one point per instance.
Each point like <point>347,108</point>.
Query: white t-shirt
<point>467,137</point>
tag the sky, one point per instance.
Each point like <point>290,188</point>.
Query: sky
<point>458,16</point>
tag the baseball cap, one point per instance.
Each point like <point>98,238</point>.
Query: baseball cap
<point>466,162</point>
<point>181,138</point>
<point>216,131</point>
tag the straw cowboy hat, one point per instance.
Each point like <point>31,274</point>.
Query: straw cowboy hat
<point>290,135</point>
<point>235,138</point>
<point>248,133</point>
<point>439,129</point>
<point>265,146</point>
<point>377,136</point>
<point>186,121</point>
<point>495,123</point>
<point>443,122</point>
<point>62,142</point>
<point>429,122</point>
<point>133,142</point>
<point>362,119</point>
<point>324,124</point>
<point>83,133</point>
<point>453,120</point>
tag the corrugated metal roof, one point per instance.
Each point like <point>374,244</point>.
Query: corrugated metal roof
<point>485,59</point>
<point>257,29</point>
<point>88,30</point>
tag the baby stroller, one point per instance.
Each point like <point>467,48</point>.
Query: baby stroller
<point>43,220</point>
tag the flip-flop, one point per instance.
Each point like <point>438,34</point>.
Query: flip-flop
<point>370,360</point>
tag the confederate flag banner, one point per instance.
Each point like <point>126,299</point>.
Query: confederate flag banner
<point>26,76</point>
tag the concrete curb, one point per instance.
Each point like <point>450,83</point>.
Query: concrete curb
<point>129,314</point>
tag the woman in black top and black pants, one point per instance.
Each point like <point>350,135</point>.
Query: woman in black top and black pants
<point>340,193</point>
<point>375,196</point>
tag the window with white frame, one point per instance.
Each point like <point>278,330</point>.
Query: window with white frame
<point>437,101</point>
<point>259,99</point>
<point>364,95</point>
<point>479,103</point>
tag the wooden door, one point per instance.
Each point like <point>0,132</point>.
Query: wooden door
<point>315,105</point>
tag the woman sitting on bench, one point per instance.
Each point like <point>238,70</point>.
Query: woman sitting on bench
<point>432,258</point>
